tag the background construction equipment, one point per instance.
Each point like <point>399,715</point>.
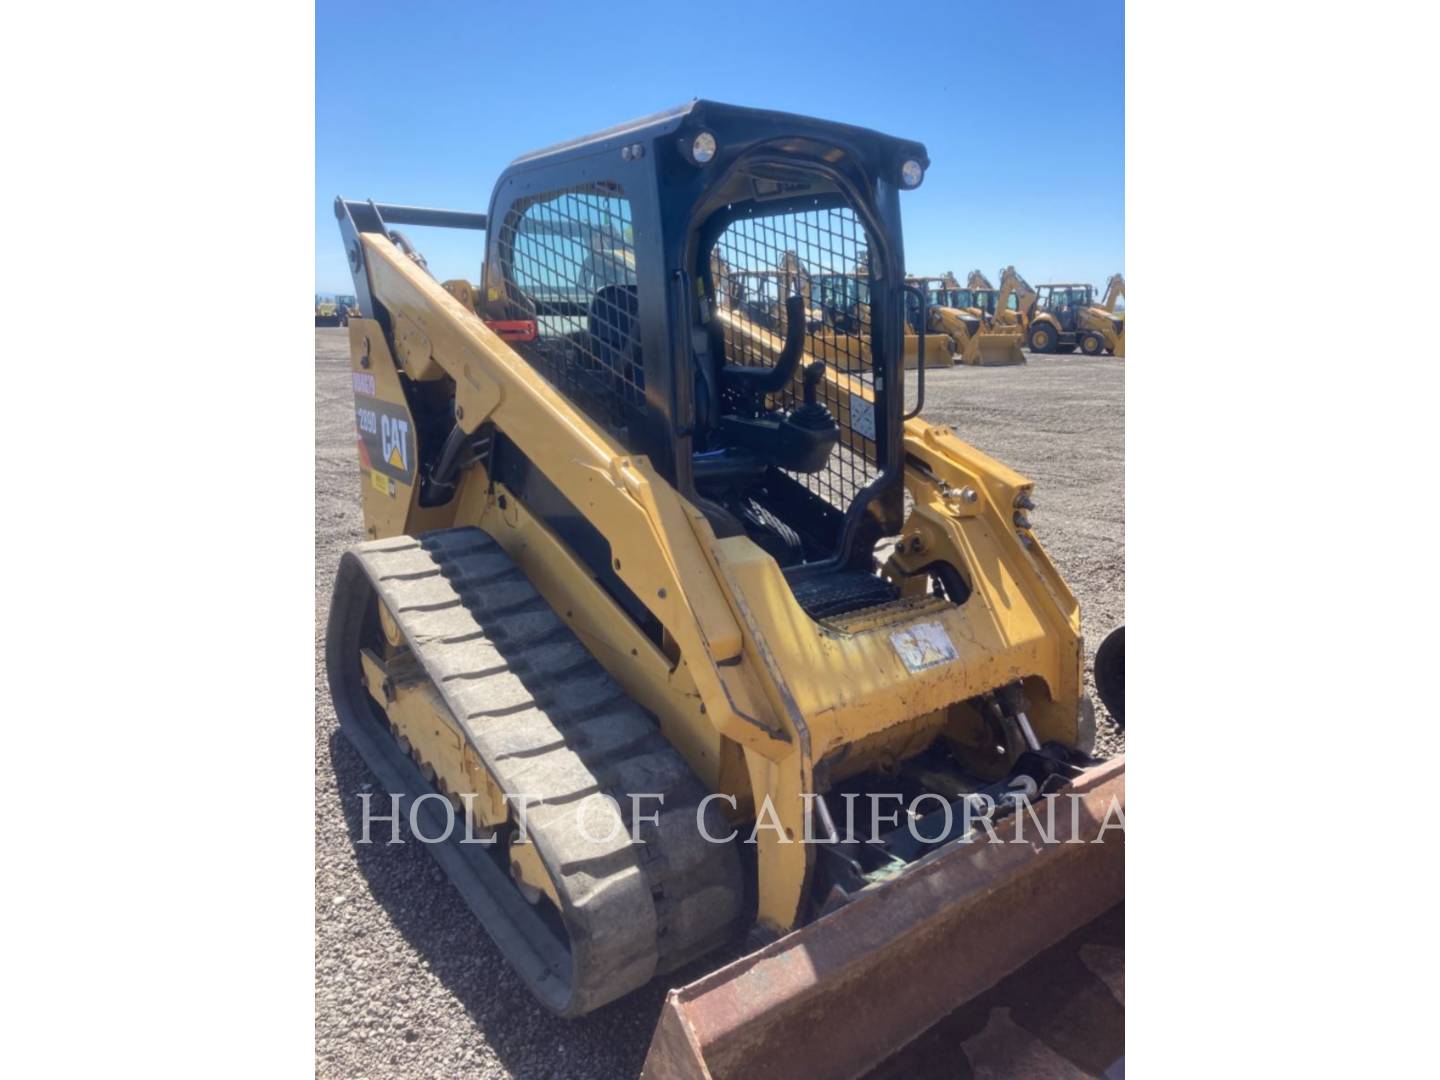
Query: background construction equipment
<point>955,312</point>
<point>1066,317</point>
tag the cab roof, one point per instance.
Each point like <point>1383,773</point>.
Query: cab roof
<point>700,113</point>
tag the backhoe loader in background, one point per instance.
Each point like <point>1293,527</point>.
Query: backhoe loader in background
<point>645,608</point>
<point>1109,308</point>
<point>838,314</point>
<point>1015,303</point>
<point>1066,316</point>
<point>986,297</point>
<point>953,313</point>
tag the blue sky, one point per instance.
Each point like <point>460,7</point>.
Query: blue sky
<point>1020,105</point>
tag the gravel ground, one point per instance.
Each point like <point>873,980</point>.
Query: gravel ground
<point>406,982</point>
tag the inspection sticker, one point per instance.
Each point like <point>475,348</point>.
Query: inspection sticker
<point>923,645</point>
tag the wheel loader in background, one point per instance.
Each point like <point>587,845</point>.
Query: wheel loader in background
<point>954,313</point>
<point>645,607</point>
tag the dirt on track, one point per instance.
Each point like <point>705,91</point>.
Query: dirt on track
<point>407,984</point>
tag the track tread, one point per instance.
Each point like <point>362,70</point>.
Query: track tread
<point>549,721</point>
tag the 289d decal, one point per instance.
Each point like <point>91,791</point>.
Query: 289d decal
<point>387,439</point>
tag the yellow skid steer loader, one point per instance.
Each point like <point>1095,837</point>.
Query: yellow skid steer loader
<point>649,633</point>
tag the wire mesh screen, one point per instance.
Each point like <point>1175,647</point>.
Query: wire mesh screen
<point>822,255</point>
<point>569,264</point>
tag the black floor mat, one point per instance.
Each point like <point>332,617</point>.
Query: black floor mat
<point>829,595</point>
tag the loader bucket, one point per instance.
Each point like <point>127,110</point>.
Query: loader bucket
<point>937,351</point>
<point>838,997</point>
<point>996,350</point>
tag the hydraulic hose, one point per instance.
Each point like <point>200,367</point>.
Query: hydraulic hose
<point>440,483</point>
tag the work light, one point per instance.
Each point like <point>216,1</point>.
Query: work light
<point>702,148</point>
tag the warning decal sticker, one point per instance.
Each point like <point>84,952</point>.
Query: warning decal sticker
<point>923,645</point>
<point>862,416</point>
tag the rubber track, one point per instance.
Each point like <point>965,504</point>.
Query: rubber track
<point>553,726</point>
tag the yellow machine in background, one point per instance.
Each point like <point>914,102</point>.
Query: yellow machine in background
<point>989,299</point>
<point>1015,302</point>
<point>836,312</point>
<point>336,312</point>
<point>1067,316</point>
<point>1110,309</point>
<point>1052,318</point>
<point>983,295</point>
<point>954,312</point>
<point>327,313</point>
<point>672,576</point>
<point>1114,292</point>
<point>842,302</point>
